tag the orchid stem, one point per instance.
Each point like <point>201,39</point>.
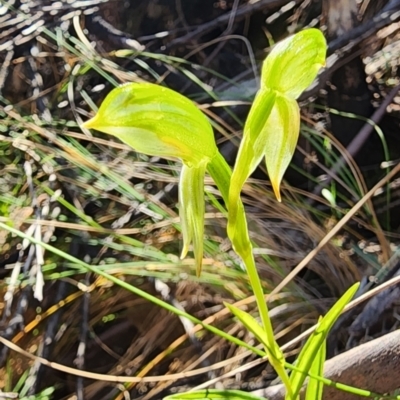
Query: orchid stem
<point>239,236</point>
<point>221,173</point>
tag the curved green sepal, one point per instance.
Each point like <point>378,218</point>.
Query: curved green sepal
<point>281,132</point>
<point>191,210</point>
<point>157,121</point>
<point>251,150</point>
<point>294,63</point>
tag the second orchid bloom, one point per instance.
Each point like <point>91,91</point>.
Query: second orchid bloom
<point>160,122</point>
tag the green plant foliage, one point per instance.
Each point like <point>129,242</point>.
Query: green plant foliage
<point>266,337</point>
<point>315,387</point>
<point>310,350</point>
<point>147,127</point>
<point>214,394</point>
<point>252,326</point>
<point>272,130</point>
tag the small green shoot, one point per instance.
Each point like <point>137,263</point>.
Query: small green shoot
<point>315,387</point>
<point>310,349</point>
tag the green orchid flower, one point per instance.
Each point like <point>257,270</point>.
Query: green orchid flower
<point>272,127</point>
<point>158,121</point>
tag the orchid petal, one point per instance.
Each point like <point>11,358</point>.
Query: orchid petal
<point>191,210</point>
<point>281,132</point>
<point>273,124</point>
<point>252,148</point>
<point>158,121</point>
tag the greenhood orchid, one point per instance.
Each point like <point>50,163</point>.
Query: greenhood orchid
<point>272,127</point>
<point>160,122</point>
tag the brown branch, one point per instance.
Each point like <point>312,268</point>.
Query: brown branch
<point>373,366</point>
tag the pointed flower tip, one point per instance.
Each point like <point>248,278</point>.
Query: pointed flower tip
<point>90,124</point>
<point>184,251</point>
<point>276,189</point>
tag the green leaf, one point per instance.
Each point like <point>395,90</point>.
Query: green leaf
<point>255,328</point>
<point>157,121</point>
<point>266,337</point>
<point>211,394</point>
<point>315,387</point>
<point>311,347</point>
<point>294,63</point>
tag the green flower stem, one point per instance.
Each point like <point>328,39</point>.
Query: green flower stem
<point>239,236</point>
